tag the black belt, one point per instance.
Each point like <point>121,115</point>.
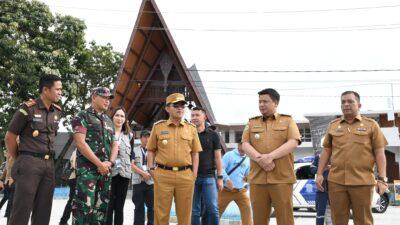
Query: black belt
<point>174,168</point>
<point>45,156</point>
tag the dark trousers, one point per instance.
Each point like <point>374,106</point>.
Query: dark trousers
<point>68,206</point>
<point>11,191</point>
<point>6,196</point>
<point>119,188</point>
<point>34,188</point>
<point>143,194</point>
<point>321,200</point>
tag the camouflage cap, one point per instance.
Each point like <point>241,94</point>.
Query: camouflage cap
<point>174,98</point>
<point>102,91</point>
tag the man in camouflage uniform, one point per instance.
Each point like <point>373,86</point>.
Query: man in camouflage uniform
<point>94,138</point>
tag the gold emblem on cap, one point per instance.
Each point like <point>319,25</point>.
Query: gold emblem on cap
<point>257,136</point>
<point>35,133</point>
<point>164,142</point>
<point>362,124</point>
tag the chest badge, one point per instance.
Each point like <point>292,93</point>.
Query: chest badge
<point>35,133</point>
<point>165,142</point>
<point>361,129</point>
<point>257,136</point>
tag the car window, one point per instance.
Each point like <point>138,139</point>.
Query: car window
<point>304,173</point>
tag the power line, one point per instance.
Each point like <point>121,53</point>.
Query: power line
<point>275,81</point>
<point>296,89</point>
<point>293,71</point>
<point>258,30</point>
<point>303,96</point>
<point>232,12</point>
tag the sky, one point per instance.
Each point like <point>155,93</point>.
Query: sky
<point>269,36</point>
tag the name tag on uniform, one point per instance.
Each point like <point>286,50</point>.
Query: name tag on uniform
<point>37,115</point>
<point>361,129</point>
<point>164,132</point>
<point>37,120</point>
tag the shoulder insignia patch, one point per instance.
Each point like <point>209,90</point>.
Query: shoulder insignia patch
<point>57,107</point>
<point>255,117</point>
<point>190,123</point>
<point>30,103</point>
<point>335,120</point>
<point>23,111</point>
<point>160,121</point>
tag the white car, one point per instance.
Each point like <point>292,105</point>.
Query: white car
<point>304,191</point>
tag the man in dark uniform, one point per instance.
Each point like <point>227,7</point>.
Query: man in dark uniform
<point>97,151</point>
<point>36,124</point>
<point>321,198</point>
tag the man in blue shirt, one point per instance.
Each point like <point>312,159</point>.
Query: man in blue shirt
<point>236,169</point>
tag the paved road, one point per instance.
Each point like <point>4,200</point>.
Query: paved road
<point>391,217</point>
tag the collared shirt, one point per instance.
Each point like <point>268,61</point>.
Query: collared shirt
<point>229,161</point>
<point>210,143</point>
<point>266,135</point>
<point>36,126</point>
<point>353,145</point>
<point>99,131</point>
<point>174,144</point>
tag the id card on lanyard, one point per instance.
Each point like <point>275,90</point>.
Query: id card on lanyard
<point>144,155</point>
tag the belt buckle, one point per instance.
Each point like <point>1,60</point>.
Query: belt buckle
<point>46,157</point>
<point>175,168</point>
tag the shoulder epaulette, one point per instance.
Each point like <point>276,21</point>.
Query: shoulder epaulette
<point>255,117</point>
<point>190,123</point>
<point>285,115</point>
<point>158,122</point>
<point>335,120</point>
<point>368,119</point>
<point>57,107</point>
<point>30,103</point>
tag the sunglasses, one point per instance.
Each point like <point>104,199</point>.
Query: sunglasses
<point>178,105</point>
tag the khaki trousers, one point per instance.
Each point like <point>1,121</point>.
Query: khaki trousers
<point>265,196</point>
<point>170,184</point>
<point>357,198</point>
<point>241,199</point>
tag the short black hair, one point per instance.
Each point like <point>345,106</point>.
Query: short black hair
<point>144,133</point>
<point>47,80</point>
<point>273,94</point>
<point>198,108</point>
<point>351,92</point>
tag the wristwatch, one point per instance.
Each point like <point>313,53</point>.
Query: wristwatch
<point>220,177</point>
<point>152,168</point>
<point>384,179</point>
<point>112,163</point>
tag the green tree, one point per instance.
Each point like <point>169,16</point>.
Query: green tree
<point>34,41</point>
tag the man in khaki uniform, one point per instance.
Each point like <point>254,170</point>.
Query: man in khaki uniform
<point>174,145</point>
<point>269,141</point>
<point>353,143</point>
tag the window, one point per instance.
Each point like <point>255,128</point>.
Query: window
<point>304,173</point>
<point>227,136</point>
<point>238,136</point>
<point>305,134</point>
